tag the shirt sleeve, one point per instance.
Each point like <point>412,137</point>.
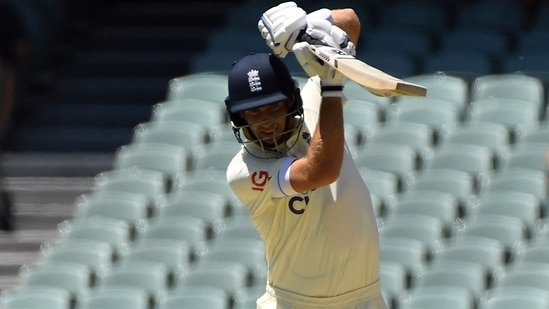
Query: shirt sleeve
<point>256,182</point>
<point>284,187</point>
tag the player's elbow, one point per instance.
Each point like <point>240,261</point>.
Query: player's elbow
<point>306,175</point>
<point>330,173</point>
<point>317,180</point>
<point>332,176</point>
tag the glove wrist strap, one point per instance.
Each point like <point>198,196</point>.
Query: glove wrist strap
<point>331,90</point>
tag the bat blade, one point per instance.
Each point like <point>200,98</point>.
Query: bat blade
<point>369,77</point>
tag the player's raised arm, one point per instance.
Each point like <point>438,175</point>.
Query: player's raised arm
<point>322,164</point>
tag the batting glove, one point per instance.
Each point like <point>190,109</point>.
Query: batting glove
<point>281,25</point>
<point>322,32</point>
<point>286,24</point>
<point>331,81</point>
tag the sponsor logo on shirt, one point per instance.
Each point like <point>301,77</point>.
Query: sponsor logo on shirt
<point>259,180</point>
<point>298,203</point>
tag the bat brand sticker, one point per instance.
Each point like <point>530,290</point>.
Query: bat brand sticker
<point>339,52</point>
<point>324,56</point>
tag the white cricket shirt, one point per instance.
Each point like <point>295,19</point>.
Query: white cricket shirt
<point>320,243</point>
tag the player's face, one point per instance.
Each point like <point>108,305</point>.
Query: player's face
<point>268,122</point>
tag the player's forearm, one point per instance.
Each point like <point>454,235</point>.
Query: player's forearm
<point>326,151</point>
<point>322,164</point>
<point>348,21</point>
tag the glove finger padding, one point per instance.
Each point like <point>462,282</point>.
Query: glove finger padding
<point>281,25</point>
<point>318,33</point>
<point>322,32</point>
<point>313,66</point>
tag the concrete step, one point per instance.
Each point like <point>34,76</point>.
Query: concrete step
<point>40,164</point>
<point>70,139</point>
<point>40,205</point>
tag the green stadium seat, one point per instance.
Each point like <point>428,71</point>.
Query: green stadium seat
<point>428,230</point>
<point>228,276</point>
<point>509,231</point>
<point>475,160</point>
<point>438,116</point>
<point>129,207</point>
<point>510,86</point>
<point>165,158</point>
<point>36,297</point>
<point>443,86</point>
<point>515,297</point>
<point>133,180</point>
<point>444,207</point>
<point>488,253</point>
<point>253,258</point>
<point>114,232</point>
<point>518,116</point>
<point>416,135</point>
<point>459,184</point>
<point>97,261</point>
<point>190,230</point>
<point>400,160</point>
<point>74,278</point>
<point>533,275</point>
<point>495,136</point>
<point>352,91</point>
<point>433,297</point>
<point>204,113</point>
<point>150,277</point>
<point>383,185</point>
<point>409,253</point>
<point>460,274</point>
<point>195,297</point>
<point>121,297</point>
<point>205,85</point>
<point>209,206</point>
<point>393,280</point>
<point>180,133</point>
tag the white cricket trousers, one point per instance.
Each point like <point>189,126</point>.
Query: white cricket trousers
<point>369,297</point>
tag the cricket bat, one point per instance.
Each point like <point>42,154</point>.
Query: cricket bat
<point>370,78</point>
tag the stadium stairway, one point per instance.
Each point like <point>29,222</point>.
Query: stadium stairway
<point>41,203</point>
<point>80,109</point>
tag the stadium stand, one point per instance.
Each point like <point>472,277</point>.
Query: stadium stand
<point>504,298</point>
<point>195,297</point>
<point>442,86</point>
<point>393,277</point>
<point>460,274</point>
<point>116,297</point>
<point>458,179</point>
<point>453,297</point>
<point>37,297</point>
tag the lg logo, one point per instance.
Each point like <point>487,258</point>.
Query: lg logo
<point>296,204</point>
<point>259,180</point>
